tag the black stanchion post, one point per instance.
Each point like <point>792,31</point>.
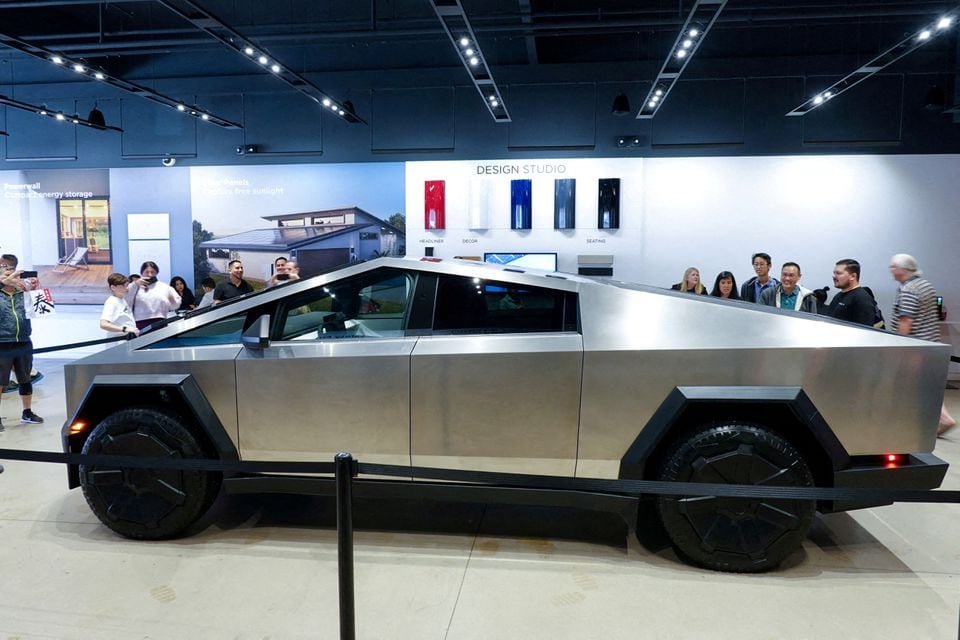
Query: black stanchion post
<point>343,464</point>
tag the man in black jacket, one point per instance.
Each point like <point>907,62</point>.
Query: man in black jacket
<point>852,303</point>
<point>752,288</point>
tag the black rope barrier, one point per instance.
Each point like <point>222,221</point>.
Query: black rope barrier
<point>624,487</point>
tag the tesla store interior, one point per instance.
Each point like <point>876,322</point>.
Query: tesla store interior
<point>339,176</point>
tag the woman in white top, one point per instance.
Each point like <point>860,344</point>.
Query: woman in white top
<point>116,316</point>
<point>149,299</point>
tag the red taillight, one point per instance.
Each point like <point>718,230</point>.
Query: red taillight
<point>893,460</point>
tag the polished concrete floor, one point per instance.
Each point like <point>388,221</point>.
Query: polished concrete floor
<point>266,567</point>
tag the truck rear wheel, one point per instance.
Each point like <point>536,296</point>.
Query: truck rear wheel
<point>736,534</point>
<point>147,504</point>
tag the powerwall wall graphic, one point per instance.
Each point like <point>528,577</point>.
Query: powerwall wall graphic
<point>608,204</point>
<point>76,226</point>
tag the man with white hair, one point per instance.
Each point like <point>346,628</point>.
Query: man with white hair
<point>915,312</point>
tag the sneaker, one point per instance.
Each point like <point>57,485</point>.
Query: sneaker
<point>29,417</point>
<point>11,387</point>
<point>37,377</point>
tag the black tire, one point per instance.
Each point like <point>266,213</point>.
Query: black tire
<point>735,534</point>
<point>146,504</point>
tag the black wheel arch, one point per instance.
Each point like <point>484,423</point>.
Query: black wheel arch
<point>176,394</point>
<point>788,411</point>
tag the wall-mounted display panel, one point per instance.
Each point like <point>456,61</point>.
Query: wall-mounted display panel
<point>564,203</point>
<point>434,205</point>
<point>608,204</point>
<point>521,204</point>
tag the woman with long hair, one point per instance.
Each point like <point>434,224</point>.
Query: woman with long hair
<point>150,299</point>
<point>725,286</point>
<point>691,283</point>
<point>187,300</point>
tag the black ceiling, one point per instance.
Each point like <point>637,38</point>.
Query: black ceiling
<point>145,39</point>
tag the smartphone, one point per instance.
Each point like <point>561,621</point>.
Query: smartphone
<point>149,280</point>
<point>283,276</point>
<point>28,274</point>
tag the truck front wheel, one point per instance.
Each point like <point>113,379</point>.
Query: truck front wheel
<point>148,504</point>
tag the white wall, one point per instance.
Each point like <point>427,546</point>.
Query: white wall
<point>714,213</point>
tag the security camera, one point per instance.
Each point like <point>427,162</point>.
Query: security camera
<point>168,162</point>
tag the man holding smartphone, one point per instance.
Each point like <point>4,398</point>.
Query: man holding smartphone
<point>16,349</point>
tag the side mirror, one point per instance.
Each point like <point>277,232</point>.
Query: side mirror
<point>257,335</point>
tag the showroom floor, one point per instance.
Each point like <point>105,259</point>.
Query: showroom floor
<point>266,567</point>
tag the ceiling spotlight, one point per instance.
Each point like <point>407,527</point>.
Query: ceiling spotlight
<point>828,94</point>
<point>248,51</point>
<point>60,116</point>
<point>79,68</point>
<point>180,107</point>
<point>193,113</point>
<point>652,104</point>
<point>98,75</point>
<point>75,119</point>
<point>491,97</point>
<point>262,60</point>
<point>655,99</point>
<point>474,61</point>
<point>687,44</point>
<point>658,92</point>
<point>944,23</point>
<point>924,35</point>
<point>42,112</point>
<point>204,117</point>
<point>469,52</point>
<point>494,103</point>
<point>818,100</point>
<point>56,60</point>
<point>326,102</point>
<point>334,107</point>
<point>464,42</point>
<point>693,33</point>
<point>275,68</point>
<point>682,53</point>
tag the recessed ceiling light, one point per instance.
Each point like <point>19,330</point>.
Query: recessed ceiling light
<point>474,61</point>
<point>56,60</point>
<point>944,23</point>
<point>205,117</point>
<point>275,68</point>
<point>98,75</point>
<point>469,52</point>
<point>180,107</point>
<point>924,35</point>
<point>652,104</point>
<point>693,33</point>
<point>79,68</point>
<point>464,41</point>
<point>60,116</point>
<point>682,53</point>
<point>326,102</point>
<point>687,44</point>
<point>248,51</point>
<point>262,60</point>
<point>494,103</point>
<point>818,100</point>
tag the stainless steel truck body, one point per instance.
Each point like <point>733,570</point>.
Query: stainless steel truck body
<point>463,365</point>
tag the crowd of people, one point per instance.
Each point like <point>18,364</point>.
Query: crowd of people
<point>915,311</point>
<point>141,299</point>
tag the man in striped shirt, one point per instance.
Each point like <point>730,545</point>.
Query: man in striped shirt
<point>915,312</point>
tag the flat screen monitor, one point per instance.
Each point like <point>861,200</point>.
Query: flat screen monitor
<point>544,261</point>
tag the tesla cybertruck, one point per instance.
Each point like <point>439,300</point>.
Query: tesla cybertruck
<point>466,366</point>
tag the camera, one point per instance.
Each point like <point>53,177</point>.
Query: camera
<point>168,162</point>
